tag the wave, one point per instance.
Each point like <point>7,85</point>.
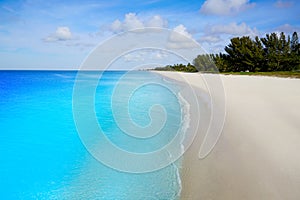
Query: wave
<point>185,124</point>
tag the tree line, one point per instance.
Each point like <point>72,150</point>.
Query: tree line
<point>178,67</point>
<point>274,52</point>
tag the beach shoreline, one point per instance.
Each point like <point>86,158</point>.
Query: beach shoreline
<point>256,155</point>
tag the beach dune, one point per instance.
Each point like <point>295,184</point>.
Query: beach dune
<point>258,153</point>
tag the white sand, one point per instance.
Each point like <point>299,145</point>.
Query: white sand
<point>258,153</point>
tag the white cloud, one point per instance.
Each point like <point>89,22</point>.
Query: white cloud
<point>180,38</point>
<point>62,33</point>
<point>145,55</point>
<point>160,55</point>
<point>216,37</point>
<point>224,7</point>
<point>132,21</point>
<point>116,26</point>
<point>287,28</point>
<point>183,32</point>
<point>233,29</point>
<point>214,49</point>
<point>210,38</point>
<point>134,56</point>
<point>157,22</point>
<point>283,4</point>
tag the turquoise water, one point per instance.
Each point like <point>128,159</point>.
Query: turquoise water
<point>42,156</point>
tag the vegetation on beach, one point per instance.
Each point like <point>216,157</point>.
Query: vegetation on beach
<point>285,74</point>
<point>274,54</point>
<point>178,67</point>
<point>271,53</point>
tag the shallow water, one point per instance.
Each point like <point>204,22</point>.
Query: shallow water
<point>42,156</point>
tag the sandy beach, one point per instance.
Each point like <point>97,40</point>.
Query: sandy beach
<point>257,155</point>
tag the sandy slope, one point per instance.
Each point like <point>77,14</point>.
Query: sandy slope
<point>258,153</point>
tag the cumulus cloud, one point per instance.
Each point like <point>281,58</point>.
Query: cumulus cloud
<point>210,38</point>
<point>287,28</point>
<point>157,22</point>
<point>180,38</point>
<point>216,37</point>
<point>132,21</point>
<point>62,33</point>
<point>180,34</point>
<point>116,26</point>
<point>160,55</point>
<point>224,7</point>
<point>233,29</point>
<point>135,56</point>
<point>283,4</point>
<point>145,54</point>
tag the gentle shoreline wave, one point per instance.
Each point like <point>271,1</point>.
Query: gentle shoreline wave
<point>185,125</point>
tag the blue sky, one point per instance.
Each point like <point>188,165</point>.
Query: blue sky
<point>37,34</point>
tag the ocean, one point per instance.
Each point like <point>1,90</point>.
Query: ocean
<point>42,155</point>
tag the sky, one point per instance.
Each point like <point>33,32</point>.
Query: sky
<point>38,34</point>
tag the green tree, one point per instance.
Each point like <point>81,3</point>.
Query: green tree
<point>295,51</point>
<point>221,62</point>
<point>284,59</point>
<point>178,67</point>
<point>245,54</point>
<point>277,50</point>
<point>270,42</point>
<point>274,52</point>
<point>205,62</point>
<point>259,56</point>
<point>191,68</point>
<point>295,47</point>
